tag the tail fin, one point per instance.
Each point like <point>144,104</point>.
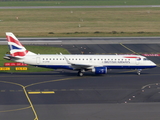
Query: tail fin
<point>16,48</point>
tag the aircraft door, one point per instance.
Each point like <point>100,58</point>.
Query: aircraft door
<point>38,60</point>
<point>138,60</point>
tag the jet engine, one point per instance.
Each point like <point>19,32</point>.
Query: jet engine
<point>99,70</point>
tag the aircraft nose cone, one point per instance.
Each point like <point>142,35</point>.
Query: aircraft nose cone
<point>152,63</point>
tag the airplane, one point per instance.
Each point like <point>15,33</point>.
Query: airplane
<point>98,64</point>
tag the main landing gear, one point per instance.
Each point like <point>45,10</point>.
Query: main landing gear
<point>139,71</point>
<point>80,72</point>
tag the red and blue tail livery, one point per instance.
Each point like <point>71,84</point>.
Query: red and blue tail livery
<point>16,48</point>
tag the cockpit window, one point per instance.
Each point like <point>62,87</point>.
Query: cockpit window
<point>145,59</point>
<point>139,58</point>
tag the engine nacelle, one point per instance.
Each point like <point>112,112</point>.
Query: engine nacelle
<point>99,70</point>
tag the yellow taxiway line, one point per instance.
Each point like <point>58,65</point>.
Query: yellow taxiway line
<point>47,92</point>
<point>16,109</point>
<point>35,92</point>
<point>42,92</point>
<point>128,48</point>
<point>25,92</point>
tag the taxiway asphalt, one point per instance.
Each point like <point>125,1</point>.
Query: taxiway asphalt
<point>89,97</point>
<point>120,94</point>
<point>86,40</point>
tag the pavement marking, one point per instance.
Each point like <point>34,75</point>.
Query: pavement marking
<point>81,89</point>
<point>20,90</point>
<point>2,90</point>
<point>24,89</point>
<point>128,48</point>
<point>149,85</point>
<point>16,109</point>
<point>72,89</point>
<point>36,116</point>
<point>63,79</point>
<point>47,92</point>
<point>63,90</point>
<point>12,90</point>
<point>34,92</point>
<point>42,92</point>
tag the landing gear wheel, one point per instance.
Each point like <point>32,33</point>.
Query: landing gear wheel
<point>80,74</point>
<point>139,71</point>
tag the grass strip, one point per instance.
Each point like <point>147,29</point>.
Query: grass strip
<point>81,22</point>
<point>77,2</point>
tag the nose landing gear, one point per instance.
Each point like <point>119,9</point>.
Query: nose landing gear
<point>139,71</point>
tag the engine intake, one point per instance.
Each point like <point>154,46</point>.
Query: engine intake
<point>99,70</point>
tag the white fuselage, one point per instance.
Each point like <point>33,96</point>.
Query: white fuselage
<point>68,61</point>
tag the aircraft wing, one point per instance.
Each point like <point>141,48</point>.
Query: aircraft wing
<point>84,66</point>
<point>81,66</point>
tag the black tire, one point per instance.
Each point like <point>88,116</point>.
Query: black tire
<point>80,74</point>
